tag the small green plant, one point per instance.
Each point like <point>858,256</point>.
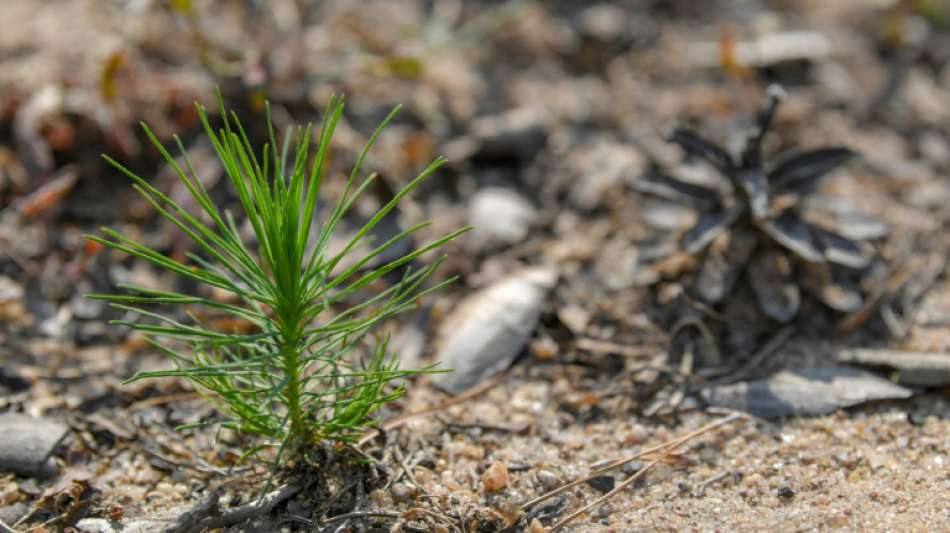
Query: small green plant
<point>291,376</point>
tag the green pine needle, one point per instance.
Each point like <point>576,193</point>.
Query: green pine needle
<point>292,380</point>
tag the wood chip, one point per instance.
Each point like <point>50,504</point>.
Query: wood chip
<point>26,443</point>
<point>485,334</point>
<point>813,391</point>
<point>913,369</point>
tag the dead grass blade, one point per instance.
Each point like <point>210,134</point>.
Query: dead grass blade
<point>604,347</point>
<point>4,528</point>
<point>665,450</point>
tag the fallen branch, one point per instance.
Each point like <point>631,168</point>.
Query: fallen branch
<point>207,516</point>
<point>190,519</point>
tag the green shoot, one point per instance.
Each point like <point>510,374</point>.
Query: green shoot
<point>291,375</point>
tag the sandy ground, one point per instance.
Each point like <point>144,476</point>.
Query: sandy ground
<point>552,113</point>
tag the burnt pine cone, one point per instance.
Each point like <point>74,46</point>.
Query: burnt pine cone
<point>759,229</point>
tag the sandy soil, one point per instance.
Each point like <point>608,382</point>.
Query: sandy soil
<point>562,106</point>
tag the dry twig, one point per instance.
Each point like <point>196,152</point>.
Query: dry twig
<point>602,347</point>
<point>205,515</point>
<point>162,400</point>
<point>705,485</point>
<point>881,296</point>
<point>4,528</point>
<point>665,450</point>
<point>362,514</point>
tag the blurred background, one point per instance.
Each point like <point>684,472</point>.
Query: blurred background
<point>550,113</point>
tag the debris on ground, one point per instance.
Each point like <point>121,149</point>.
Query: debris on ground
<point>806,392</point>
<point>27,443</point>
<point>581,334</point>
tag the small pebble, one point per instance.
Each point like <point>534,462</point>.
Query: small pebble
<point>11,513</point>
<point>536,527</point>
<point>101,525</point>
<point>786,492</point>
<point>548,480</point>
<point>709,455</point>
<point>517,133</point>
<point>427,461</point>
<point>500,216</point>
<point>495,477</point>
<point>603,511</point>
<point>637,434</point>
<point>917,418</point>
<point>96,525</point>
<point>602,484</point>
<point>401,492</point>
<point>837,520</point>
<point>604,22</point>
<point>631,468</point>
<point>544,348</point>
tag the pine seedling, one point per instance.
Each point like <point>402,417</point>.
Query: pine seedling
<point>291,376</point>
